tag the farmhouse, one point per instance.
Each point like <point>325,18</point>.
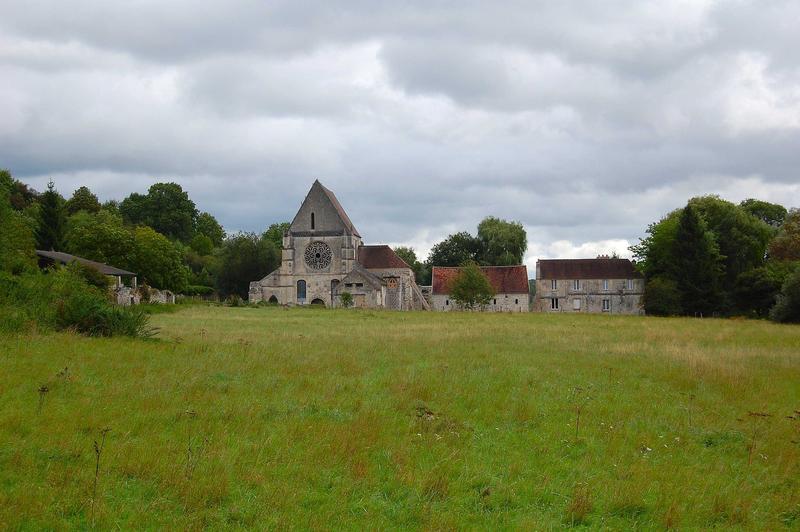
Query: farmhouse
<point>510,285</point>
<point>323,257</point>
<point>588,285</point>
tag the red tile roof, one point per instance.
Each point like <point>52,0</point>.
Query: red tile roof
<point>504,279</point>
<point>380,257</point>
<point>586,269</point>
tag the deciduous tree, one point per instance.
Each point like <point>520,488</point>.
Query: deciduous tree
<point>245,257</point>
<point>471,289</point>
<point>503,243</point>
<point>83,200</point>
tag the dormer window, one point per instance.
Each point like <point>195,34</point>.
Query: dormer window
<point>312,221</point>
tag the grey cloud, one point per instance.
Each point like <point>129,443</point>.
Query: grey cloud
<point>584,121</point>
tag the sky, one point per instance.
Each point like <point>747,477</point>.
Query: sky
<point>584,121</point>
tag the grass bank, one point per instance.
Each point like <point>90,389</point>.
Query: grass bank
<point>265,417</point>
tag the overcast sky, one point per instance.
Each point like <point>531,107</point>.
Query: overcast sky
<point>585,121</point>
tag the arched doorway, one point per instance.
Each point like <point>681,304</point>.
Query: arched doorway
<point>318,302</point>
<point>273,300</point>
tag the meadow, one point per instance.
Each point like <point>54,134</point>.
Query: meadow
<point>334,419</point>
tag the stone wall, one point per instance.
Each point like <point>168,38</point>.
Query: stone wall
<point>623,296</point>
<point>499,303</point>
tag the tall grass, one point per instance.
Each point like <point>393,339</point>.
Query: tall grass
<point>267,418</point>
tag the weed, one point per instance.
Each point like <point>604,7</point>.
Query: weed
<point>42,393</point>
<point>580,505</point>
<point>98,451</point>
<point>579,398</point>
<point>757,419</point>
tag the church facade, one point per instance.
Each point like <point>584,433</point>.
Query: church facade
<point>323,257</point>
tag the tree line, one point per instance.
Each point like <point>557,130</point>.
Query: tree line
<point>714,257</point>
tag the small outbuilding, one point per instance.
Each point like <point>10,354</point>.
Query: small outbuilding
<point>123,294</point>
<point>510,284</point>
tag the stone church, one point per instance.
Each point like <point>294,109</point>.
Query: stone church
<point>323,257</point>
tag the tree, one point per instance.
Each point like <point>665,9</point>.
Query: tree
<point>166,208</point>
<point>134,209</point>
<point>662,297</point>
<point>20,195</point>
<point>698,264</point>
<point>786,245</point>
<point>16,235</point>
<point>756,290</point>
<point>455,250</point>
<point>100,237</point>
<point>83,200</point>
<point>245,257</point>
<point>503,243</point>
<point>770,213</point>
<point>275,232</point>
<point>209,226</point>
<point>654,253</point>
<point>787,307</point>
<point>112,207</point>
<point>157,261</point>
<point>52,220</point>
<point>202,244</point>
<point>471,289</point>
<point>741,237</point>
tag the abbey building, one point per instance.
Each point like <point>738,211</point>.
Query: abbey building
<point>323,257</point>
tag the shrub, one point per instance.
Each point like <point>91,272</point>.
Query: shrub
<point>61,299</point>
<point>198,290</point>
<point>787,307</point>
<point>234,301</point>
<point>347,299</point>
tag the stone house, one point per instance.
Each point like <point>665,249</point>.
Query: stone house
<point>510,285</point>
<point>601,285</point>
<point>323,256</point>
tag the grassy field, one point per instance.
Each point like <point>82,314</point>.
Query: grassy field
<point>307,418</point>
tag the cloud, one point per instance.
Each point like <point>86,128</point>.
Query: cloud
<point>585,122</point>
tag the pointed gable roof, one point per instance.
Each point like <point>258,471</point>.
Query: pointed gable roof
<point>323,200</point>
<point>380,257</point>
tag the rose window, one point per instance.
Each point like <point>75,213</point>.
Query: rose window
<point>318,255</point>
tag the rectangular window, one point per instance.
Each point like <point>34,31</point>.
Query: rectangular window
<point>359,285</point>
<point>576,304</point>
<point>629,284</point>
<point>605,284</point>
<point>576,284</point>
<point>553,303</point>
<point>606,305</point>
<point>446,302</point>
<point>516,301</point>
<point>553,284</point>
<point>494,302</point>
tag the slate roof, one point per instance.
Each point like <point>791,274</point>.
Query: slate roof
<point>66,258</point>
<point>586,269</point>
<point>380,257</point>
<point>339,209</point>
<point>359,272</point>
<point>504,279</point>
